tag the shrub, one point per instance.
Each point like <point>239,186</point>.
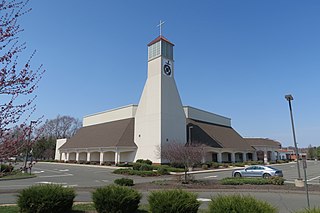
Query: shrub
<point>146,167</point>
<point>6,168</point>
<point>47,198</point>
<point>239,204</point>
<point>276,180</point>
<point>313,210</point>
<point>144,161</point>
<point>252,181</point>
<point>173,201</point>
<point>124,182</point>
<point>204,166</point>
<point>142,167</point>
<point>254,163</point>
<point>241,181</point>
<point>239,164</point>
<point>163,171</point>
<point>115,198</point>
<point>136,172</point>
<point>125,165</point>
<point>106,163</point>
<point>136,166</point>
<point>215,165</point>
<point>177,165</point>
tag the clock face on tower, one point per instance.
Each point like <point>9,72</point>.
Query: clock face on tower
<point>167,68</point>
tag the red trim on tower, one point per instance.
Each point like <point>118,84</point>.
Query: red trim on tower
<point>158,39</point>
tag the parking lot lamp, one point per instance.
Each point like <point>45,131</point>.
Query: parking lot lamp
<point>25,169</point>
<point>289,98</point>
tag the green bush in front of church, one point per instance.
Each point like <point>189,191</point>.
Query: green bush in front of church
<point>239,204</point>
<point>149,162</point>
<point>124,182</point>
<point>173,201</point>
<point>114,199</point>
<point>47,198</point>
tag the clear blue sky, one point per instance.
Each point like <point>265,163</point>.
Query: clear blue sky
<point>233,58</point>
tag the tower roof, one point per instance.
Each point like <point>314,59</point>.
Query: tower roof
<point>158,39</point>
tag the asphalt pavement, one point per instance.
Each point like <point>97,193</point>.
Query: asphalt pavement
<point>84,178</point>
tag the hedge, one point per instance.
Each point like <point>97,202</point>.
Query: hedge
<point>252,181</point>
<point>47,198</point>
<point>115,199</point>
<point>239,204</point>
<point>173,201</point>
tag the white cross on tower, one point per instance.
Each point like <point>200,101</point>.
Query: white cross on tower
<point>160,26</point>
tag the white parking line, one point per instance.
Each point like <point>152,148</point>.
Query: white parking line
<point>46,182</point>
<point>314,178</point>
<point>37,172</point>
<point>204,199</point>
<point>75,185</point>
<point>64,170</point>
<point>210,177</point>
<point>49,176</point>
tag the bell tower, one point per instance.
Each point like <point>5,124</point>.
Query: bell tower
<point>160,117</point>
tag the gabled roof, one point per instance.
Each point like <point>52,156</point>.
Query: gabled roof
<point>263,142</point>
<point>111,134</point>
<point>217,136</point>
<point>158,39</point>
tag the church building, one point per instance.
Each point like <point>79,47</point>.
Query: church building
<point>133,132</point>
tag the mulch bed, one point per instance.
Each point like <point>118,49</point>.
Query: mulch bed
<point>215,185</point>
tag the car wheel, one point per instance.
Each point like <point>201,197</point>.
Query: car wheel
<point>266,175</point>
<point>237,174</point>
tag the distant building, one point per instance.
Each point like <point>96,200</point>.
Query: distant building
<point>136,132</point>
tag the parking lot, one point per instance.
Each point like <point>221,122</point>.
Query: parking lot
<point>290,172</point>
<point>84,177</point>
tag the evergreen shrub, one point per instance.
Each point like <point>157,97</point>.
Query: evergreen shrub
<point>173,201</point>
<point>239,204</point>
<point>47,198</point>
<point>144,161</point>
<point>6,168</point>
<point>163,171</point>
<point>115,199</point>
<point>313,210</point>
<point>124,182</point>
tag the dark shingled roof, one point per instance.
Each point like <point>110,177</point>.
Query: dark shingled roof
<point>217,135</point>
<point>111,134</point>
<point>263,142</point>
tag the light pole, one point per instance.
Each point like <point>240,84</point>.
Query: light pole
<point>289,99</point>
<point>189,141</point>
<point>27,150</point>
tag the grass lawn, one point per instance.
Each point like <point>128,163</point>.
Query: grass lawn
<point>19,175</point>
<point>77,208</point>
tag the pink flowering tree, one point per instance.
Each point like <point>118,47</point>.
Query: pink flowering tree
<point>18,80</point>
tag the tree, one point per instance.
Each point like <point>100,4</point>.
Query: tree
<point>44,148</point>
<point>318,152</point>
<point>60,127</point>
<point>311,152</point>
<point>185,154</point>
<point>18,79</point>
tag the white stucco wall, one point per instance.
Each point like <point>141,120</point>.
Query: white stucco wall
<point>201,115</point>
<point>160,116</point>
<point>110,115</point>
<point>59,143</point>
<point>148,116</point>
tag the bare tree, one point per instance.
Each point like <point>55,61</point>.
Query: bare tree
<point>185,154</point>
<point>60,127</point>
